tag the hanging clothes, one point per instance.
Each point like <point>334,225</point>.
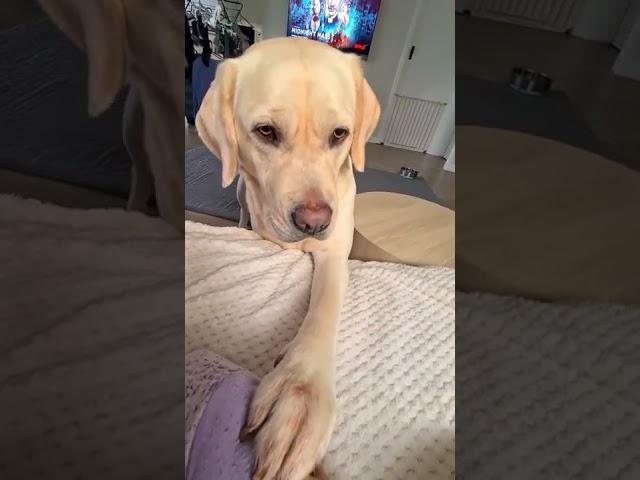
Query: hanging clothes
<point>203,74</point>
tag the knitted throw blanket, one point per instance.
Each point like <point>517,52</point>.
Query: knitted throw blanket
<point>245,299</point>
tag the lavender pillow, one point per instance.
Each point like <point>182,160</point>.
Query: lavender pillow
<point>218,394</point>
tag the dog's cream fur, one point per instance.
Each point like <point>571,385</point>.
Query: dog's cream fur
<point>306,90</point>
<point>138,43</point>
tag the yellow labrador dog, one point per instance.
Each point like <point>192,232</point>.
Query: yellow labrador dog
<point>139,43</point>
<point>292,117</point>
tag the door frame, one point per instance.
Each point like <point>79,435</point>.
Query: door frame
<point>444,132</point>
<point>388,108</point>
<point>450,164</point>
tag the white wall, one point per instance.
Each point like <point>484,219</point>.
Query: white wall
<point>599,21</point>
<point>633,12</point>
<point>628,62</point>
<point>252,10</point>
<point>450,164</point>
<point>388,49</point>
<point>443,137</point>
<point>275,18</point>
<point>387,46</point>
<point>270,14</point>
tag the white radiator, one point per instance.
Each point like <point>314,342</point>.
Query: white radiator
<point>556,15</point>
<point>413,123</point>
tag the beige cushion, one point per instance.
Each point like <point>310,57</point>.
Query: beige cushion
<point>545,220</point>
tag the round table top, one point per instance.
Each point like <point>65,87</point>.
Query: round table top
<point>544,220</point>
<point>403,229</point>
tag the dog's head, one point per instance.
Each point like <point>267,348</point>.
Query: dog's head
<point>291,115</point>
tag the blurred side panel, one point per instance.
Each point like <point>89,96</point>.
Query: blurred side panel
<point>92,276</point>
<point>547,235</point>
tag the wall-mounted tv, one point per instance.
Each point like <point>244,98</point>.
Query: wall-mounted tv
<point>345,24</point>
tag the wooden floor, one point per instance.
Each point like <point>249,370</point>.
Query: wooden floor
<point>390,159</point>
<point>581,68</point>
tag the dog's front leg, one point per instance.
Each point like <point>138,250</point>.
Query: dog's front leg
<point>293,409</point>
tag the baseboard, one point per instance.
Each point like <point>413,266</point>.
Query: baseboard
<point>625,67</point>
<point>450,164</point>
<point>375,140</point>
<point>449,167</point>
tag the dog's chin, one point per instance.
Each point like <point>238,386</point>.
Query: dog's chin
<point>296,236</point>
<point>293,235</point>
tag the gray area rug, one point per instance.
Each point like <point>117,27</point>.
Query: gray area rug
<point>204,193</point>
<point>496,105</point>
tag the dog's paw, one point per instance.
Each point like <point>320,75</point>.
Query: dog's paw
<point>292,415</point>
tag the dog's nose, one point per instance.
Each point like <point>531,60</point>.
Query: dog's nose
<point>312,217</point>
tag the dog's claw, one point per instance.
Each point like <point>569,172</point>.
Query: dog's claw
<point>278,359</point>
<point>319,473</point>
<point>245,434</point>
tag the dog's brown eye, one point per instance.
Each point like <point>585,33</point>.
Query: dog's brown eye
<point>340,133</point>
<point>267,132</point>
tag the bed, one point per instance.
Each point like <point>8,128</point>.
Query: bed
<point>522,364</point>
<point>395,367</point>
<point>91,343</point>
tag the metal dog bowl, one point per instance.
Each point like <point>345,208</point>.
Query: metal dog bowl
<point>408,173</point>
<point>529,81</point>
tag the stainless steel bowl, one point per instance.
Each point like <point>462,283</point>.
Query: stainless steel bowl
<point>408,173</point>
<point>530,82</point>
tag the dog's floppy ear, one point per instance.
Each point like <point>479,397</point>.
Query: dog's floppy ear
<point>367,115</point>
<point>215,120</point>
<point>99,28</point>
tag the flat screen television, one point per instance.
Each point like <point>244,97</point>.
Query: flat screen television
<point>345,24</point>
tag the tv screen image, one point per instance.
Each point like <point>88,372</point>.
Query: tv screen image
<point>345,24</point>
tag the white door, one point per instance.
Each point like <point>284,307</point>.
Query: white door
<point>599,21</point>
<point>429,73</point>
<point>426,80</point>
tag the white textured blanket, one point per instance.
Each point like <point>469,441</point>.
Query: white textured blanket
<point>91,357</point>
<point>245,298</point>
<point>547,390</point>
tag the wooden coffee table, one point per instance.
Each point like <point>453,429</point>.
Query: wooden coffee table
<point>392,227</point>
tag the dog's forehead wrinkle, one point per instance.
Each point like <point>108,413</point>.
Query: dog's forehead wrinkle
<point>280,72</point>
<point>267,114</point>
<point>293,84</point>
